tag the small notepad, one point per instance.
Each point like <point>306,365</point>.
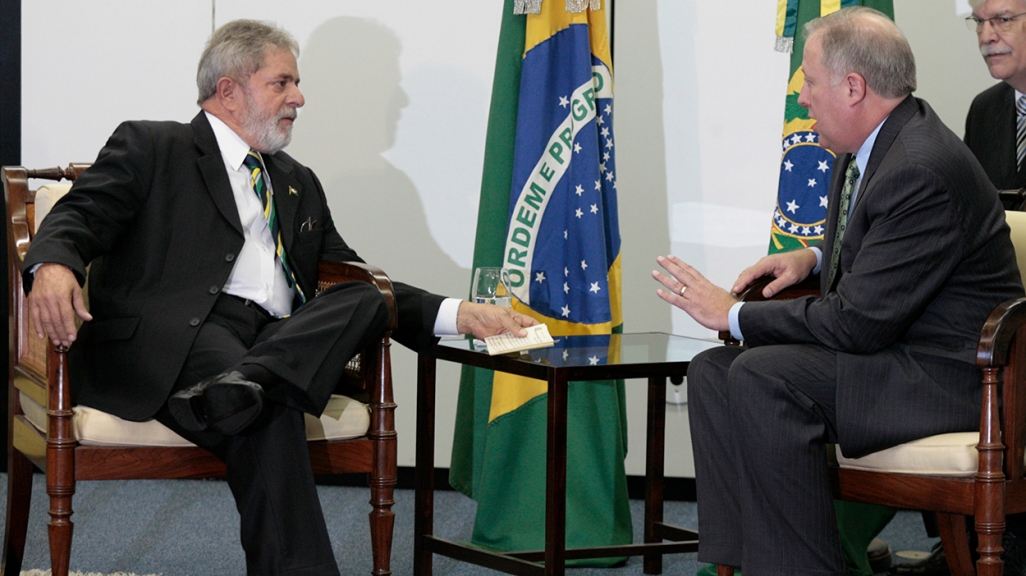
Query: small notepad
<point>537,337</point>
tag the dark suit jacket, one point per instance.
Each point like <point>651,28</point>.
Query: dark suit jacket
<point>990,132</point>
<point>156,219</point>
<point>925,258</point>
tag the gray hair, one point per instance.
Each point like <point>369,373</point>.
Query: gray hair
<point>864,41</point>
<point>236,50</point>
<point>974,4</point>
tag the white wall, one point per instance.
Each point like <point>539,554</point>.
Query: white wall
<point>397,101</point>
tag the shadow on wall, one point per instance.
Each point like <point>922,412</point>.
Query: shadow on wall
<point>642,163</point>
<point>351,81</point>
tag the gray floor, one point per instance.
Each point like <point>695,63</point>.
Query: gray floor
<point>190,528</point>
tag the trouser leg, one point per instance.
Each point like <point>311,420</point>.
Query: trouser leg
<point>776,409</point>
<point>268,471</point>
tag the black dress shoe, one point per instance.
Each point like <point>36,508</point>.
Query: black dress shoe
<point>227,403</point>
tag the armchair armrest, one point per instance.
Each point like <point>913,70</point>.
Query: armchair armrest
<point>753,293</point>
<point>331,272</point>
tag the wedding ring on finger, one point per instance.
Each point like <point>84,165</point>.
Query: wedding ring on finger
<point>683,289</point>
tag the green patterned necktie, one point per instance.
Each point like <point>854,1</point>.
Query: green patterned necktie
<point>256,180</point>
<point>850,177</point>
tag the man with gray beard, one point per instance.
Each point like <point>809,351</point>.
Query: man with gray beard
<point>204,240</point>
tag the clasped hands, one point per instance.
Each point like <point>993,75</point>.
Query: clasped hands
<point>708,304</point>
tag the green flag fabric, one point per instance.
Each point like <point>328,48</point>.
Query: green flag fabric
<point>548,213</point>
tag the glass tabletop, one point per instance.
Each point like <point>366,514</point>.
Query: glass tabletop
<point>644,348</point>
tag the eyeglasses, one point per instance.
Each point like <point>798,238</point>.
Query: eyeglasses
<point>1002,23</point>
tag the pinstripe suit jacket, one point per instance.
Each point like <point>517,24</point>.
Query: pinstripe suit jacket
<point>990,133</point>
<point>925,258</point>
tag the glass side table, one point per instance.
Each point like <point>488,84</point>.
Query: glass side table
<point>652,356</point>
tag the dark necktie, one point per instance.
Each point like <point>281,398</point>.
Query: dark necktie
<point>256,179</point>
<point>850,177</point>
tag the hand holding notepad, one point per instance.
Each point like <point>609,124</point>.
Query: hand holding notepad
<point>537,337</point>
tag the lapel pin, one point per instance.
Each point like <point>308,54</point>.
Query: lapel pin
<point>293,191</point>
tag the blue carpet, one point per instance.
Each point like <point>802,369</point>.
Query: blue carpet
<point>190,528</point>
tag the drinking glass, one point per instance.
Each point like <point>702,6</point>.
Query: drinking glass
<point>491,286</point>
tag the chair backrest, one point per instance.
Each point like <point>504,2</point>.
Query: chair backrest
<point>1017,223</point>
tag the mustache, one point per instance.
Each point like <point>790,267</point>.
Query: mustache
<point>989,50</point>
<point>287,112</point>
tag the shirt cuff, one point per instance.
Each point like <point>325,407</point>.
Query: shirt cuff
<point>735,327</point>
<point>445,322</point>
<point>819,259</point>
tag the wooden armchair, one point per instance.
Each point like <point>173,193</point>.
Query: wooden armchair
<point>960,475</point>
<point>62,443</point>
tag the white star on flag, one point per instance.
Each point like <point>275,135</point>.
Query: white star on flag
<point>593,360</point>
<point>818,230</point>
<point>823,201</point>
<point>563,101</point>
<point>604,132</point>
<point>539,277</point>
<point>566,288</point>
<point>788,165</point>
<point>602,167</point>
<point>566,271</point>
<point>823,166</point>
<point>810,137</point>
<point>566,311</point>
<point>594,208</point>
<point>598,184</point>
<point>578,213</point>
<point>609,109</point>
<point>792,206</point>
<point>566,354</point>
<point>609,143</point>
<point>812,182</point>
<point>579,190</point>
<point>577,147</point>
<point>605,156</point>
<point>609,176</point>
<point>793,229</point>
<point>599,120</point>
<point>584,264</point>
<point>564,235</point>
<point>594,288</point>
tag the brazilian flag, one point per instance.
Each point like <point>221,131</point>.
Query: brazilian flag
<point>548,213</point>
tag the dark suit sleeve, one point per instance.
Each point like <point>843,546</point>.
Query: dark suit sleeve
<point>911,244</point>
<point>104,200</point>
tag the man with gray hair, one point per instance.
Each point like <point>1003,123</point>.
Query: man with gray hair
<point>995,128</point>
<point>204,240</point>
<point>915,257</point>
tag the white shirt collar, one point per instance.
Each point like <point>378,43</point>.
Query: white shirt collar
<point>862,157</point>
<point>233,147</point>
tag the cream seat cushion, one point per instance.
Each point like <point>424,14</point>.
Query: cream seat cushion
<point>343,418</point>
<point>951,454</point>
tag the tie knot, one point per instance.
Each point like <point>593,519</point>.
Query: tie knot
<point>252,160</point>
<point>1020,105</point>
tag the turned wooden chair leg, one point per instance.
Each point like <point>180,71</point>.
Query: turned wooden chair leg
<point>383,477</point>
<point>19,499</point>
<point>955,539</point>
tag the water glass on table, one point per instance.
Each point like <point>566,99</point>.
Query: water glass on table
<point>491,286</point>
